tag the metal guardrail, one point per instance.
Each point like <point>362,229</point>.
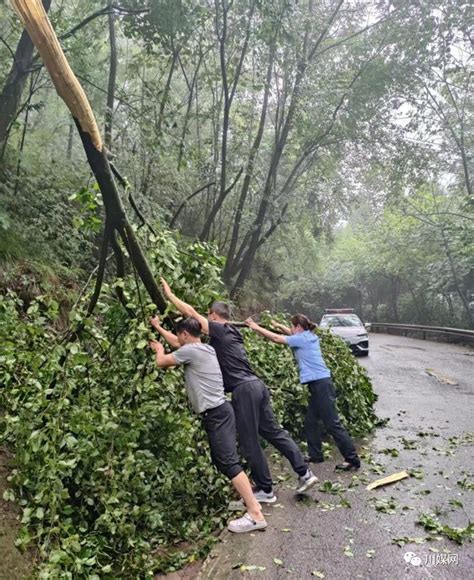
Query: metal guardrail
<point>438,333</point>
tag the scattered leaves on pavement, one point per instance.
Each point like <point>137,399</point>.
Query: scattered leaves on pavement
<point>408,443</point>
<point>386,506</point>
<point>456,503</point>
<point>431,523</point>
<point>278,562</point>
<point>331,487</point>
<point>466,483</point>
<point>417,473</point>
<point>348,552</point>
<point>390,451</point>
<point>407,540</point>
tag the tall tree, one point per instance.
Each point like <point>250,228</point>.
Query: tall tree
<point>109,113</point>
<point>12,90</point>
<point>43,36</point>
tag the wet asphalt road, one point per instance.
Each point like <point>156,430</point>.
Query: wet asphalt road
<point>426,390</point>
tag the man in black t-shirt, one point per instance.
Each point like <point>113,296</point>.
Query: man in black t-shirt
<point>250,398</point>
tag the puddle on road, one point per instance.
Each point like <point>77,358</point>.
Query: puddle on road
<point>403,346</point>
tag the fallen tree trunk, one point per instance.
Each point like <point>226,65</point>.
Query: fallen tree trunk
<point>42,34</point>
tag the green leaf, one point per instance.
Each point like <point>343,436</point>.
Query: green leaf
<point>278,562</point>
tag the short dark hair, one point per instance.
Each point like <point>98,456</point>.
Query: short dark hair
<point>303,321</point>
<point>191,325</point>
<point>221,309</point>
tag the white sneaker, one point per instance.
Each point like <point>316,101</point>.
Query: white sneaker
<point>245,524</point>
<point>264,497</point>
<point>260,495</point>
<point>306,481</point>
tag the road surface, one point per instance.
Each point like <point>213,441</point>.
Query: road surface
<point>426,390</point>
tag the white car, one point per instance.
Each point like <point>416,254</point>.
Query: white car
<point>349,327</point>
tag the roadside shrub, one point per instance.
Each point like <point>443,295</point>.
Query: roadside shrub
<point>112,470</point>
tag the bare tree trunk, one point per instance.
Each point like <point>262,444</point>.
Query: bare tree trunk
<point>249,169</point>
<point>419,308</point>
<point>394,291</point>
<point>69,139</point>
<point>10,96</point>
<point>254,240</point>
<point>457,283</point>
<point>188,111</point>
<point>229,92</point>
<point>166,92</point>
<point>109,113</point>
<point>159,123</point>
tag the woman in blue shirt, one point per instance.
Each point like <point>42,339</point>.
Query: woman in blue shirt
<point>314,372</point>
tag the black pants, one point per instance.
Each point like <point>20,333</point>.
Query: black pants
<point>219,424</point>
<point>254,418</point>
<point>322,407</point>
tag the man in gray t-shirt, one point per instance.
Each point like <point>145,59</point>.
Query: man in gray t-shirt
<point>204,383</point>
<point>205,389</point>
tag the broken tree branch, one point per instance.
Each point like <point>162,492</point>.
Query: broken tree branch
<point>68,87</point>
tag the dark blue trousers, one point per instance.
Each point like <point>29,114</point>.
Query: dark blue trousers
<point>254,419</point>
<point>322,409</point>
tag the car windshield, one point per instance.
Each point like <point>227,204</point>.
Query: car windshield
<point>341,320</point>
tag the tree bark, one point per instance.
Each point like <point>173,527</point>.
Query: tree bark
<point>10,96</point>
<point>70,139</point>
<point>187,115</point>
<point>457,283</point>
<point>249,169</point>
<point>68,87</point>
<point>280,143</point>
<point>109,113</point>
<point>229,92</point>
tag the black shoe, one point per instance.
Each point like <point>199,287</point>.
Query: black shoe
<point>310,459</point>
<point>347,466</point>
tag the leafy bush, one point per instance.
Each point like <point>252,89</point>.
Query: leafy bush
<point>112,470</point>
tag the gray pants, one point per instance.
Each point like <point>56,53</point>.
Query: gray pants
<point>254,418</point>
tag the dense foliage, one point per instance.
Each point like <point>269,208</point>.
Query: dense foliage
<point>410,261</point>
<point>322,146</point>
<point>263,126</point>
<point>112,470</point>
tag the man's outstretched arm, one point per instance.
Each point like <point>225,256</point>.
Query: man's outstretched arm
<point>185,309</point>
<point>273,336</point>
<point>162,360</point>
<point>170,338</point>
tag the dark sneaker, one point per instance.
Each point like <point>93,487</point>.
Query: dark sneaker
<point>347,466</point>
<point>306,481</point>
<point>310,459</point>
